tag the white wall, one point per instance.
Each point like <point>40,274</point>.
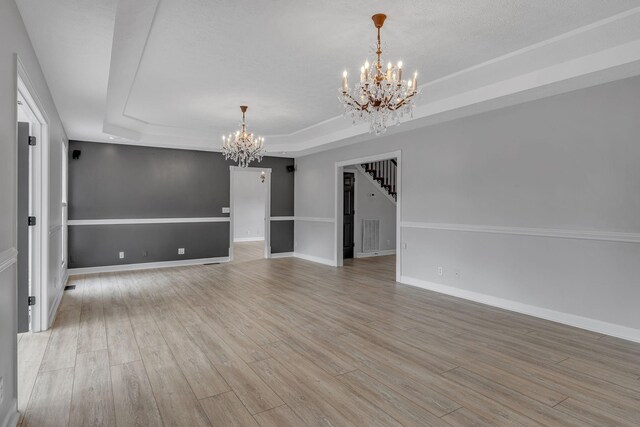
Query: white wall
<point>371,203</point>
<point>249,194</point>
<point>564,165</point>
<point>15,40</point>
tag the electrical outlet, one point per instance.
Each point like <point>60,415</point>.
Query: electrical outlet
<point>145,254</point>
<point>226,210</point>
<point>121,255</point>
<point>180,251</point>
<point>457,273</point>
<point>440,270</point>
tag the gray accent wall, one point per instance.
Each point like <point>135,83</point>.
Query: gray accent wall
<point>146,242</point>
<point>127,181</point>
<point>568,162</point>
<point>117,181</point>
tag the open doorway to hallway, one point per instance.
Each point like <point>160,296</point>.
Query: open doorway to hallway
<point>250,194</point>
<point>368,217</point>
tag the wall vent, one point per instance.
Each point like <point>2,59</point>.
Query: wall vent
<point>370,235</point>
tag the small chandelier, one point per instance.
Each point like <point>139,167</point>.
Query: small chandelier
<point>381,96</point>
<point>243,147</point>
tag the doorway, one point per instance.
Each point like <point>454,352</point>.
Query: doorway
<point>368,202</point>
<point>249,214</point>
<point>32,146</point>
<point>348,217</point>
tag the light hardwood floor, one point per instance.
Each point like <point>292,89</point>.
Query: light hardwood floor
<point>287,342</point>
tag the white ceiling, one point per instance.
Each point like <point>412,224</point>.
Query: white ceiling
<point>173,72</point>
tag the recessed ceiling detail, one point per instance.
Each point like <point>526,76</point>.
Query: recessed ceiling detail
<point>172,72</point>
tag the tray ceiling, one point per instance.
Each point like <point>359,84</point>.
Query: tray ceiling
<point>173,72</point>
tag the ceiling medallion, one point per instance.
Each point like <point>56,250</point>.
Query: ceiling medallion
<point>243,147</point>
<point>381,96</point>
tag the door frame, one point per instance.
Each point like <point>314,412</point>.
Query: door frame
<point>355,201</point>
<point>338,204</point>
<point>39,242</point>
<point>267,207</point>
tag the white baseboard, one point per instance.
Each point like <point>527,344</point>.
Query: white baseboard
<point>53,310</point>
<point>12,417</point>
<point>376,253</point>
<point>248,239</point>
<point>145,265</point>
<point>594,325</point>
<point>282,255</point>
<point>312,258</point>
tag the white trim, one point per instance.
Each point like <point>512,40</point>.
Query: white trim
<point>376,253</point>
<point>316,259</point>
<point>145,265</point>
<point>610,236</point>
<point>12,416</point>
<point>39,245</point>
<point>56,228</point>
<point>248,239</point>
<point>282,255</point>
<point>376,184</point>
<point>594,325</point>
<point>8,257</point>
<point>338,201</point>
<point>53,309</point>
<point>282,218</point>
<point>313,219</point>
<point>118,221</point>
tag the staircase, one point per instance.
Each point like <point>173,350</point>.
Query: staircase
<point>384,173</point>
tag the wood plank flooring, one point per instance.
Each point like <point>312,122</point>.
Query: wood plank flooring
<point>286,342</point>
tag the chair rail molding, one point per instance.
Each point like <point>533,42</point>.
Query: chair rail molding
<point>282,218</point>
<point>119,221</point>
<point>313,219</point>
<point>610,236</point>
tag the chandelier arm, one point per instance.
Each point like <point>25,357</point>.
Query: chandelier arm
<point>352,102</point>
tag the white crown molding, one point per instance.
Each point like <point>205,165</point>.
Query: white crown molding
<point>8,257</point>
<point>597,53</point>
<point>589,324</point>
<point>119,221</point>
<point>609,236</point>
<point>145,265</point>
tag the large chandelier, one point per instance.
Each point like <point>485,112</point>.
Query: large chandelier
<point>243,147</point>
<point>381,97</point>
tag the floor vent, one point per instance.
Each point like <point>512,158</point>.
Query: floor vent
<point>69,287</point>
<point>370,235</point>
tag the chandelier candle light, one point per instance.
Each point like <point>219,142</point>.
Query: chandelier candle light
<point>381,96</point>
<point>243,147</point>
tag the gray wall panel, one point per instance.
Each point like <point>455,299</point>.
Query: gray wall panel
<point>125,181</point>
<point>281,236</point>
<point>132,182</point>
<point>98,245</point>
